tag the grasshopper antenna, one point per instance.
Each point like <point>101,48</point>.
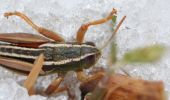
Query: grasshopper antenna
<point>114,32</point>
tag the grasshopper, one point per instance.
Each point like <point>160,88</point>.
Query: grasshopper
<point>51,52</point>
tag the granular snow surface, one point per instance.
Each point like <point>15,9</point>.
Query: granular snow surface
<point>147,23</point>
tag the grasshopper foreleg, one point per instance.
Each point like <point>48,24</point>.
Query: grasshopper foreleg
<point>82,30</point>
<point>48,33</point>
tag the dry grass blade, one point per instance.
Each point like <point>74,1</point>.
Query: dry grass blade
<point>30,81</point>
<point>114,32</point>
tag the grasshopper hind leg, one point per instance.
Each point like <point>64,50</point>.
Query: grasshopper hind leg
<point>47,33</point>
<point>54,86</point>
<point>84,78</point>
<point>33,75</point>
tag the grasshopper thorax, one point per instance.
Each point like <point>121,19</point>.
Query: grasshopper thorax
<point>93,52</point>
<point>69,56</point>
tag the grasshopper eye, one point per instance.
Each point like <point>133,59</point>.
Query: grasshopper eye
<point>90,43</point>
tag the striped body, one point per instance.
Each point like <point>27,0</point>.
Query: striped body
<point>59,57</point>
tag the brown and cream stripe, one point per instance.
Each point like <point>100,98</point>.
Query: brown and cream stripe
<point>55,53</point>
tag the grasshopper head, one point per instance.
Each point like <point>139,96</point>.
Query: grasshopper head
<point>91,54</point>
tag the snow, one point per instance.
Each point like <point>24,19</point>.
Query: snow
<point>10,90</point>
<point>147,23</point>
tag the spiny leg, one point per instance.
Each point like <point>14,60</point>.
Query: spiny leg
<point>48,33</point>
<point>84,78</point>
<point>54,86</point>
<point>82,30</point>
<point>31,79</point>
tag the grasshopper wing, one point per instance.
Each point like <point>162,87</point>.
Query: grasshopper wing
<point>23,39</point>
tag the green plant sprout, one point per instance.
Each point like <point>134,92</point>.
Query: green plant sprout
<point>147,54</point>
